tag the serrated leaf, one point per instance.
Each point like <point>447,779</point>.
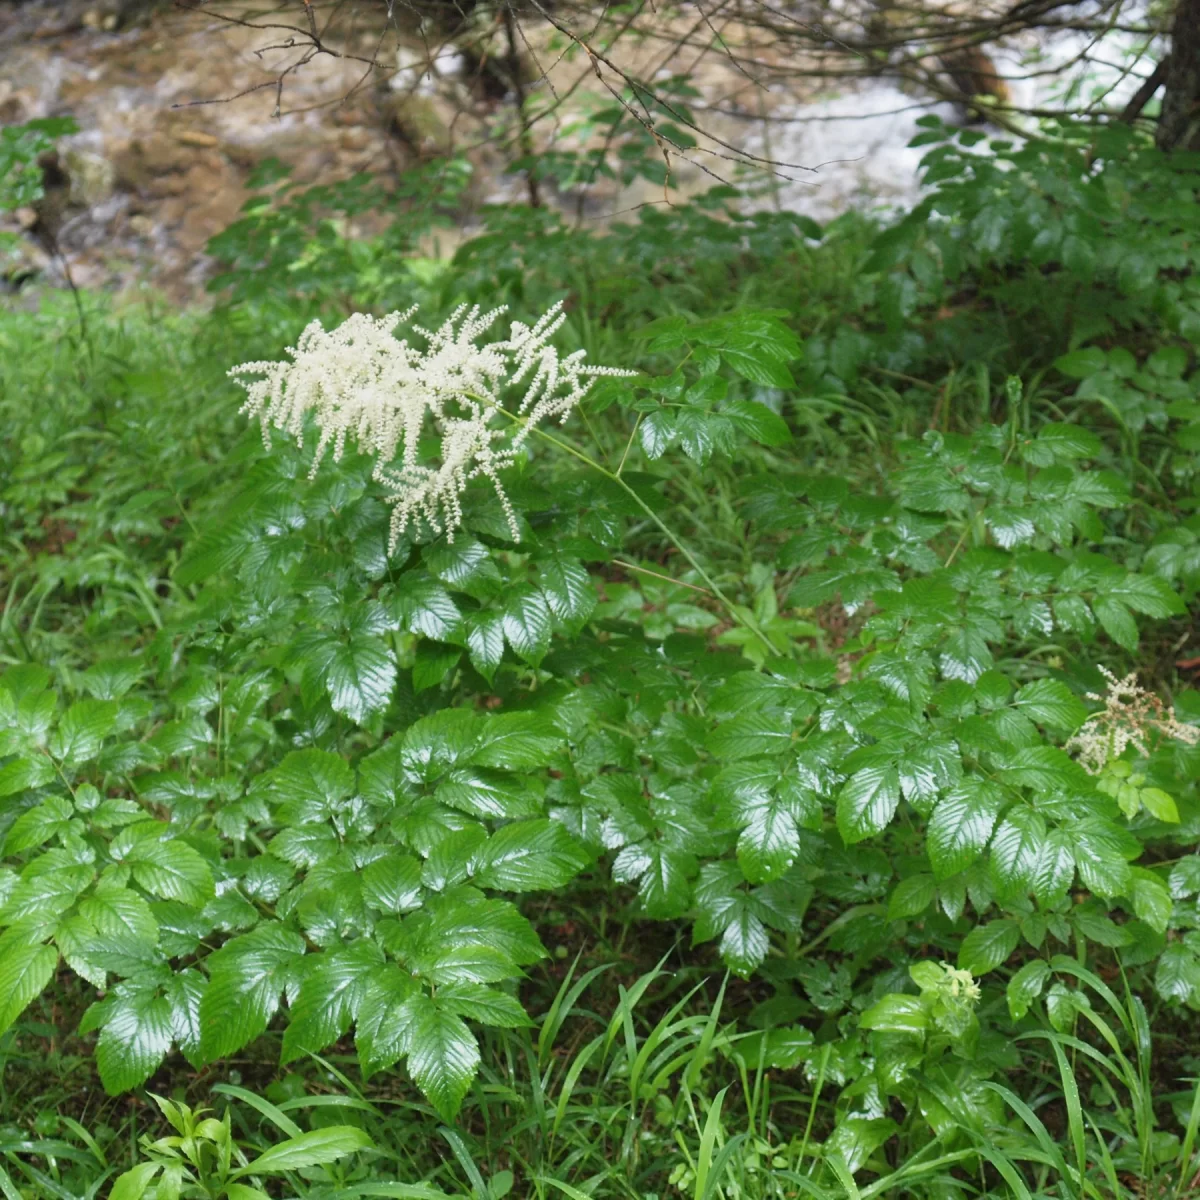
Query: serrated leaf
<point>1152,900</point>
<point>911,897</point>
<point>385,1018</point>
<point>331,993</point>
<point>988,946</point>
<point>392,883</point>
<point>568,590</point>
<point>1051,703</point>
<point>1177,976</point>
<point>163,864</point>
<point>39,825</point>
<point>25,969</point>
<point>136,1035</point>
<point>310,784</point>
<point>744,943</point>
<point>443,1055</point>
<point>768,843</point>
<point>961,826</point>
<point>529,856</point>
<point>518,741</point>
<point>1016,852</point>
<point>246,978</point>
<point>1026,986</point>
<point>24,774</point>
<point>751,735</point>
<point>485,641</point>
<point>360,676</point>
<point>527,624</point>
<point>867,802</point>
<point>487,1005</point>
<point>1055,868</point>
<point>1116,621</point>
<point>1102,868</point>
<point>756,420</point>
<point>81,731</point>
<point>896,1014</point>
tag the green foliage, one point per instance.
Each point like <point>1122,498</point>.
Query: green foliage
<point>787,677</point>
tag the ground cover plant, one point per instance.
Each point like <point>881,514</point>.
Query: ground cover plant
<point>719,727</point>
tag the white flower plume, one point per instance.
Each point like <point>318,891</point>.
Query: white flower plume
<point>361,382</point>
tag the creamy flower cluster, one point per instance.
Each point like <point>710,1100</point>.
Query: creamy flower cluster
<point>360,382</point>
<point>1130,715</point>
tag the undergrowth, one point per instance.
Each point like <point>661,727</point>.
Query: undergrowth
<point>793,793</point>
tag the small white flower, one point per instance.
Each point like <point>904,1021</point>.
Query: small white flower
<point>1129,716</point>
<point>362,383</point>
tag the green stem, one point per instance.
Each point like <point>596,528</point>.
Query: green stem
<point>714,587</point>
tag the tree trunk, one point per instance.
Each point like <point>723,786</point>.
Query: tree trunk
<point>1179,121</point>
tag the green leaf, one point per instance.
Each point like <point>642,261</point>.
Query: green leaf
<point>1152,900</point>
<point>487,1005</point>
<point>311,785</point>
<point>392,883</point>
<point>485,642</point>
<point>1177,976</point>
<point>1016,852</point>
<point>137,1033</point>
<point>527,624</point>
<point>758,367</point>
<point>1160,805</point>
<point>1025,987</point>
<point>120,912</point>
<point>246,977</point>
<point>1102,866</point>
<point>48,886</point>
<point>1079,364</point>
<point>490,794</point>
<point>759,422</point>
<point>443,1055</point>
<point>744,943</point>
<point>39,825</point>
<point>422,605</point>
<point>1055,868</point>
<point>911,897</point>
<point>24,774</point>
<point>133,1183</point>
<point>334,985</point>
<point>516,741</point>
<point>464,564</point>
<point>360,676</point>
<point>961,826</point>
<point>867,802</point>
<point>25,969</point>
<point>988,946</point>
<point>769,843</point>
<point>529,856</point>
<point>896,1014</point>
<point>1116,621</point>
<point>1051,703</point>
<point>82,730</point>
<point>163,864</point>
<point>309,1150</point>
<point>385,1016</point>
<point>751,735</point>
<point>568,590</point>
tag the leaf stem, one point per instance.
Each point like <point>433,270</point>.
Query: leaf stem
<point>739,617</point>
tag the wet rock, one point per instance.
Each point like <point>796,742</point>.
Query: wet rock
<point>421,123</point>
<point>92,178</point>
